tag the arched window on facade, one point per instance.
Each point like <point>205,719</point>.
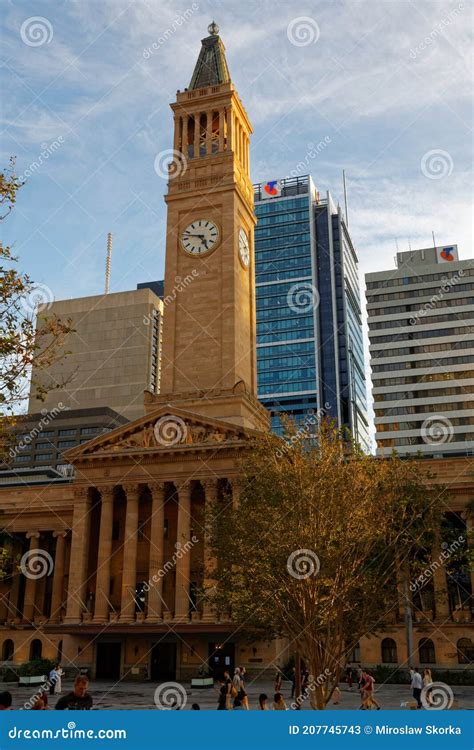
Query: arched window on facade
<point>426,651</point>
<point>465,649</point>
<point>36,649</point>
<point>7,650</point>
<point>389,651</point>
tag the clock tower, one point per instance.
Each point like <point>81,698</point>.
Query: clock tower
<point>209,331</point>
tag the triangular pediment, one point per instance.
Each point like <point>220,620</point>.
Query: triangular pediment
<point>163,430</point>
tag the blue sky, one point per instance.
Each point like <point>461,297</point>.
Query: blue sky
<point>361,75</point>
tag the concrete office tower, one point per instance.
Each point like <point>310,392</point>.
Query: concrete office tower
<point>114,353</point>
<point>310,352</point>
<point>422,353</point>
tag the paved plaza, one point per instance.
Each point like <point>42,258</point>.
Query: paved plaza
<point>140,695</point>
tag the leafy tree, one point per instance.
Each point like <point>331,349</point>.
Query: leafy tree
<point>313,549</point>
<point>24,340</point>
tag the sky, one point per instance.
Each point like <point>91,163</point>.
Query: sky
<point>383,85</point>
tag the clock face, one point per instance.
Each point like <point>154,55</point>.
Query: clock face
<point>244,248</point>
<point>200,237</point>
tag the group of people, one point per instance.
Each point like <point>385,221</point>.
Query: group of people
<point>232,692</point>
<point>418,683</point>
<point>79,699</point>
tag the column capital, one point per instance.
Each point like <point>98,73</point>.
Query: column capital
<point>60,533</point>
<point>106,492</point>
<point>131,490</point>
<point>32,534</point>
<point>81,492</point>
<point>156,487</point>
<point>183,485</point>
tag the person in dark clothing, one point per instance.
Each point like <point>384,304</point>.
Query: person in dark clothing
<point>5,701</point>
<point>222,699</point>
<point>79,699</point>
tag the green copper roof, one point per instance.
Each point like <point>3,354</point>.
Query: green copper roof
<point>211,67</point>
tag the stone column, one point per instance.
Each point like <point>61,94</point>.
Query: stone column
<point>183,563</point>
<point>229,129</point>
<point>236,490</point>
<point>197,133</point>
<point>129,567</point>
<point>441,601</point>
<point>221,130</point>
<point>29,573</point>
<point>469,518</point>
<point>58,576</point>
<point>209,132</point>
<point>210,489</point>
<point>183,147</point>
<point>104,555</point>
<point>178,122</point>
<point>157,526</point>
<point>76,595</point>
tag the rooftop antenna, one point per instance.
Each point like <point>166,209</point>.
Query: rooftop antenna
<point>396,243</point>
<point>345,196</point>
<point>108,263</point>
<point>409,245</point>
<point>434,241</point>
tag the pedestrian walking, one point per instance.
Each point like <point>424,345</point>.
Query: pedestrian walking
<point>278,681</point>
<point>222,699</point>
<point>416,686</point>
<point>243,695</point>
<point>55,675</point>
<point>293,682</point>
<point>368,699</point>
<point>228,689</point>
<point>349,678</point>
<point>427,680</point>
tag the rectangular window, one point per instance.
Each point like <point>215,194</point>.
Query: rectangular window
<point>64,433</point>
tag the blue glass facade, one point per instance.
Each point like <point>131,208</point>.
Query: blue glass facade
<point>309,329</point>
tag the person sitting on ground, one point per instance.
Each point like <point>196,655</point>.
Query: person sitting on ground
<point>79,699</point>
<point>263,702</point>
<point>5,701</point>
<point>279,703</point>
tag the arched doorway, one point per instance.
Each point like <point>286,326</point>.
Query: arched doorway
<point>8,650</point>
<point>426,651</point>
<point>36,649</point>
<point>389,651</point>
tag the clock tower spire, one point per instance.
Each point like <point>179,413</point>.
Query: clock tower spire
<point>209,336</point>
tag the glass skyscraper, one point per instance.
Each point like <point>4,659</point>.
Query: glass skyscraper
<point>310,356</point>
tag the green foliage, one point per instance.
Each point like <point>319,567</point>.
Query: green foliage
<point>36,668</point>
